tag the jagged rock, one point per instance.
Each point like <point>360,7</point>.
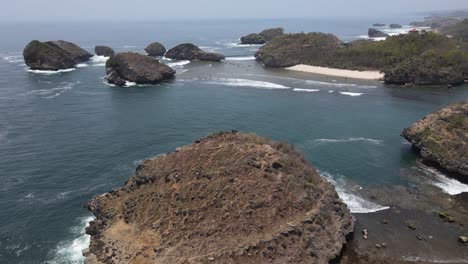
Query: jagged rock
<point>189,51</point>
<point>54,55</point>
<point>155,49</point>
<point>441,137</point>
<point>206,204</point>
<point>104,51</point>
<point>253,39</point>
<point>375,33</point>
<point>138,68</point>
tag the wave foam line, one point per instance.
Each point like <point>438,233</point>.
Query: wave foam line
<point>50,72</point>
<point>178,63</point>
<point>356,204</point>
<point>99,59</point>
<point>306,90</point>
<point>321,141</point>
<point>54,92</point>
<point>246,58</point>
<point>448,185</point>
<point>248,83</point>
<point>351,94</point>
<point>71,251</point>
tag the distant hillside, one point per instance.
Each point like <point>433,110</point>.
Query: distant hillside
<point>458,31</point>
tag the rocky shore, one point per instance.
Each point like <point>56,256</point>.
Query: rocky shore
<point>442,137</point>
<point>243,199</point>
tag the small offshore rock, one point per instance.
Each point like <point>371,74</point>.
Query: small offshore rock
<point>104,51</point>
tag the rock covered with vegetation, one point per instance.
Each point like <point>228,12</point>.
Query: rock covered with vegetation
<point>104,51</point>
<point>137,68</point>
<point>426,58</point>
<point>155,49</point>
<point>375,33</point>
<point>226,198</point>
<point>54,55</point>
<point>442,137</point>
<point>262,37</point>
<point>189,51</point>
<point>458,31</point>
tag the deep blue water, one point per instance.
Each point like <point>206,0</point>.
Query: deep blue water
<point>67,137</point>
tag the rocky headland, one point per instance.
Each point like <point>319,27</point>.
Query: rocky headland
<point>134,67</point>
<point>442,137</point>
<point>54,55</point>
<point>424,58</point>
<point>155,49</point>
<point>226,198</point>
<point>262,37</point>
<point>375,33</point>
<point>104,51</point>
<point>189,51</point>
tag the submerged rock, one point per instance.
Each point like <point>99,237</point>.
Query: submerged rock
<point>54,55</point>
<point>441,137</point>
<point>227,198</point>
<point>189,51</point>
<point>137,68</point>
<point>375,33</point>
<point>155,49</point>
<point>104,51</point>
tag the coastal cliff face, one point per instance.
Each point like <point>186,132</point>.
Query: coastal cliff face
<point>442,137</point>
<point>226,198</point>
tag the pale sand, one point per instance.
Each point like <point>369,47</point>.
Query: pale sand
<point>365,75</point>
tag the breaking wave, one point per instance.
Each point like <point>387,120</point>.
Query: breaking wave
<point>50,72</point>
<point>306,90</point>
<point>356,204</point>
<point>351,94</point>
<point>71,251</point>
<point>448,185</point>
<point>178,63</point>
<point>322,141</point>
<point>247,83</point>
<point>246,58</point>
<point>54,92</point>
<point>14,58</point>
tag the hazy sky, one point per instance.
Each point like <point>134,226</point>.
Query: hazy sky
<point>188,9</point>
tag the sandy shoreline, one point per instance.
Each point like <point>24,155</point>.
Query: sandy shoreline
<point>365,75</point>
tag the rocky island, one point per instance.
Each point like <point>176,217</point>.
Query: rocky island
<point>442,137</point>
<point>404,59</point>
<point>155,49</point>
<point>262,37</point>
<point>226,198</point>
<point>104,51</point>
<point>189,51</point>
<point>54,55</point>
<point>133,67</point>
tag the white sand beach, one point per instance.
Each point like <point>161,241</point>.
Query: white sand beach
<point>365,75</point>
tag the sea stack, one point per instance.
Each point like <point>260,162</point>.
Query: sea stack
<point>375,33</point>
<point>189,51</point>
<point>104,51</point>
<point>262,37</point>
<point>133,67</point>
<point>226,198</point>
<point>155,49</point>
<point>54,55</point>
<point>442,137</point>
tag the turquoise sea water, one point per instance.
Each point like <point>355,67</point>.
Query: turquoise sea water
<point>69,136</point>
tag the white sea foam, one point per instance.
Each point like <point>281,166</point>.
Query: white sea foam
<point>82,65</point>
<point>238,44</point>
<point>448,185</point>
<point>351,94</point>
<point>99,64</point>
<point>130,84</point>
<point>179,72</point>
<point>54,92</point>
<point>246,58</point>
<point>50,72</point>
<point>305,90</point>
<point>71,251</point>
<point>178,63</point>
<point>322,141</point>
<point>331,91</point>
<point>355,203</point>
<point>248,83</point>
<point>14,58</point>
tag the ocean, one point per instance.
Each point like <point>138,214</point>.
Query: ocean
<point>66,137</point>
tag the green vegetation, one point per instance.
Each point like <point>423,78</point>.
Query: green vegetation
<point>458,31</point>
<point>426,58</point>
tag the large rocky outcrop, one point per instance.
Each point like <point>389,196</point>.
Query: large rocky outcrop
<point>442,137</point>
<point>262,37</point>
<point>137,68</point>
<point>227,198</point>
<point>155,49</point>
<point>375,33</point>
<point>54,55</point>
<point>189,51</point>
<point>104,51</point>
<point>292,49</point>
